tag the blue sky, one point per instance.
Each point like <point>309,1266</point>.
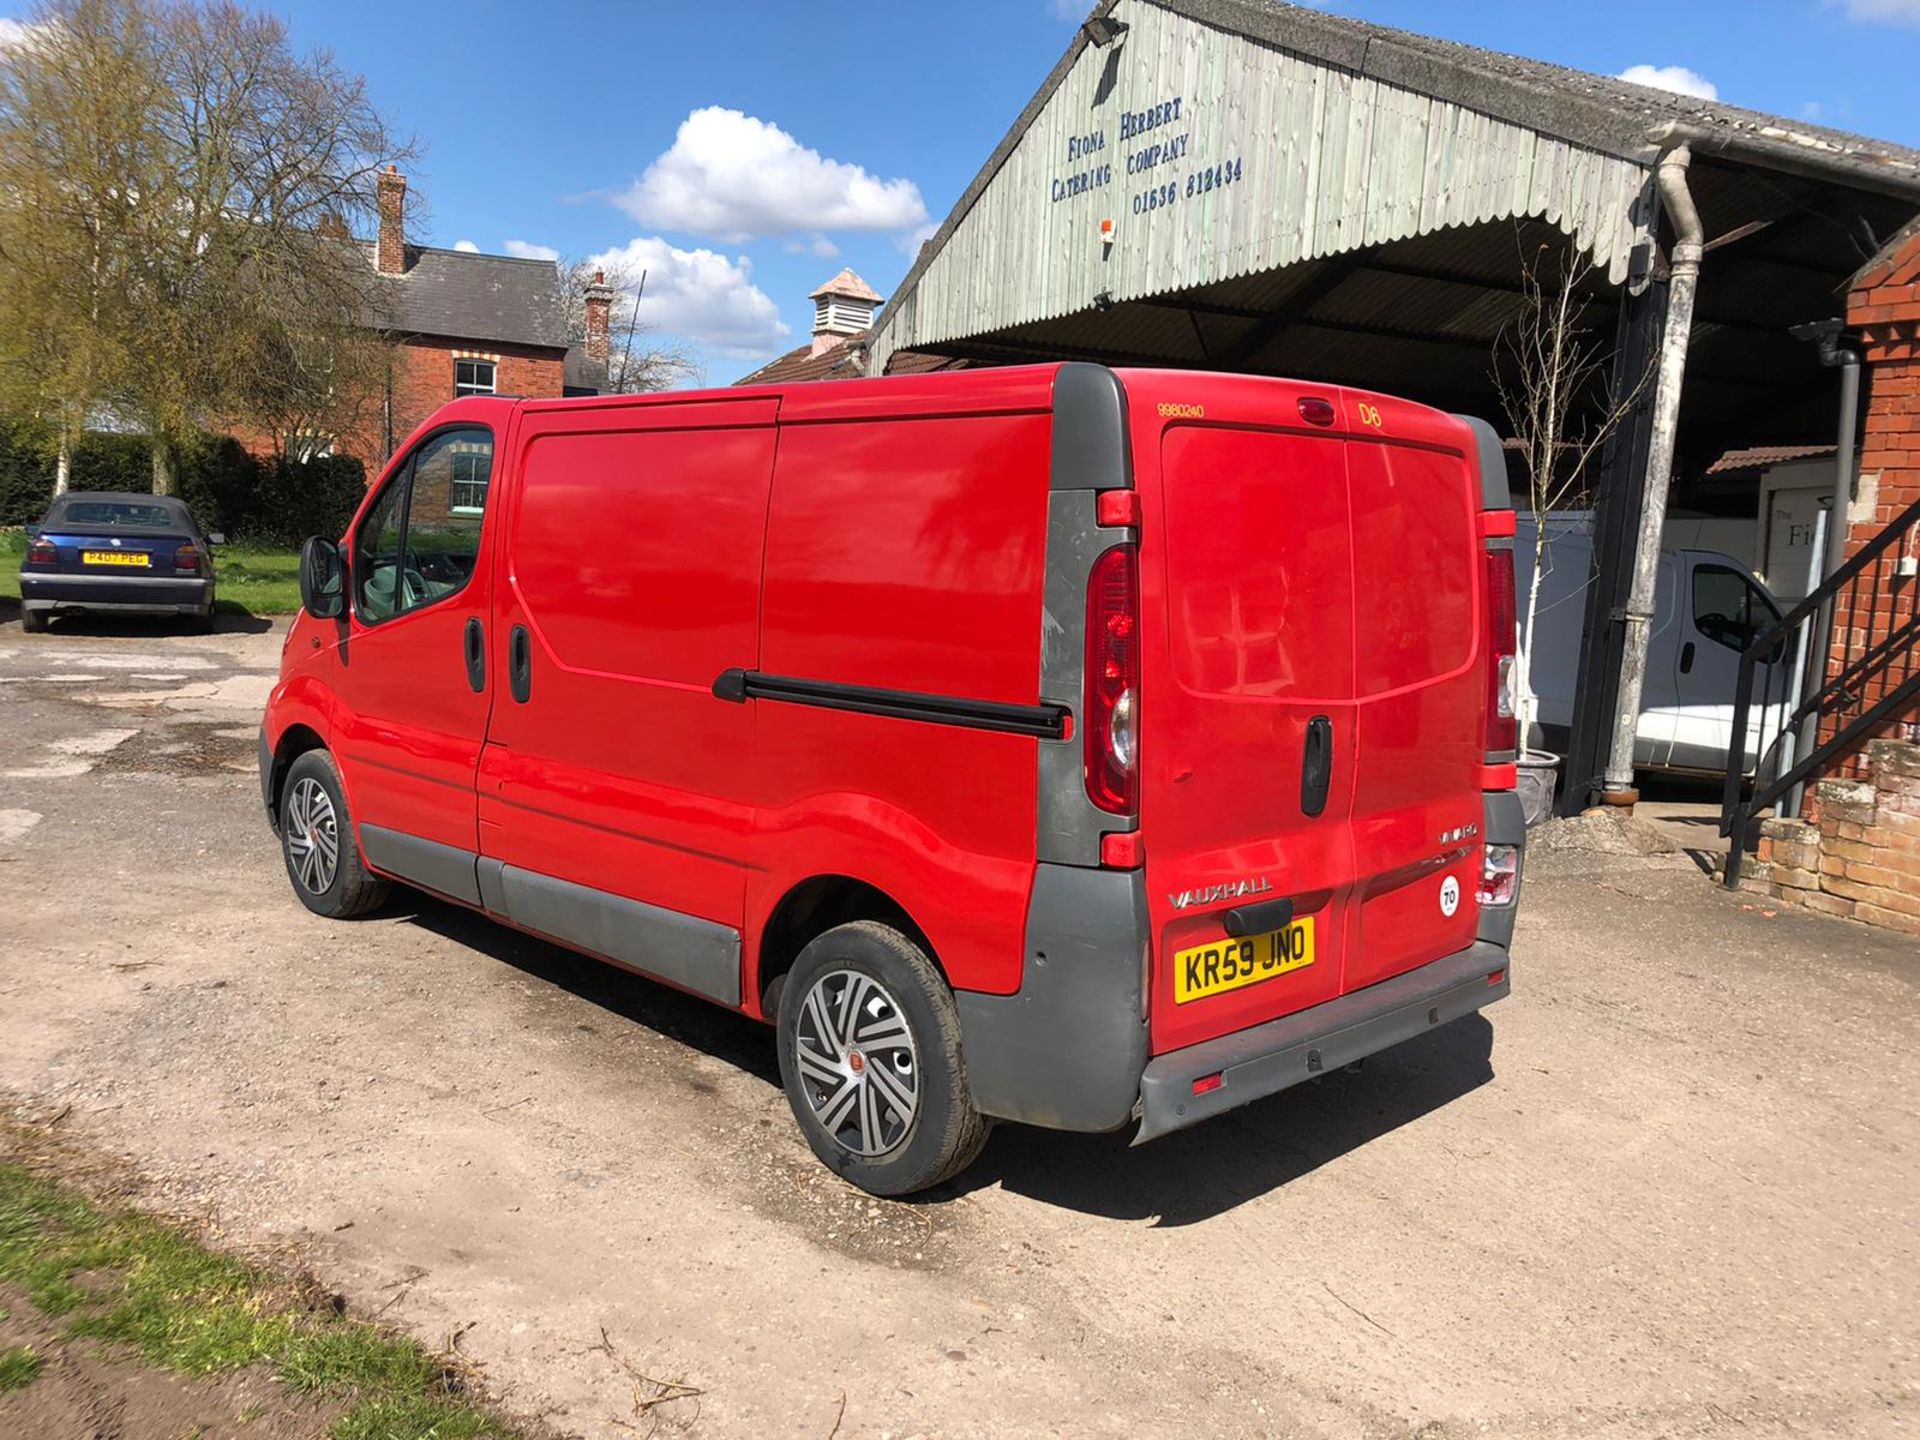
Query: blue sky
<point>745,151</point>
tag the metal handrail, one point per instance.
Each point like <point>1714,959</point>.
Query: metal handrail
<point>1736,811</point>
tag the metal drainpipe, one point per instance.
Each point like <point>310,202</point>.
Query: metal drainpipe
<point>1832,352</point>
<point>1683,279</point>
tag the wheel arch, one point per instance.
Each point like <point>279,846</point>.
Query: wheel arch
<point>809,909</point>
<point>296,740</point>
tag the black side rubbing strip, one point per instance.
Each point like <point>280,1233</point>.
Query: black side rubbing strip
<point>1046,722</point>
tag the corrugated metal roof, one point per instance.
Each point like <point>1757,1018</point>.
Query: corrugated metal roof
<point>1336,136</point>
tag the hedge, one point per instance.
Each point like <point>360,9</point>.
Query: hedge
<point>228,489</point>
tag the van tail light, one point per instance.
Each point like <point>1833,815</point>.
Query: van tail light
<point>1111,729</point>
<point>186,559</point>
<point>1499,873</point>
<point>1502,731</point>
<point>43,552</point>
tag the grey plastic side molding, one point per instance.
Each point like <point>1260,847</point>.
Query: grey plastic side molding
<point>1068,1049</point>
<point>1494,494</point>
<point>1091,452</point>
<point>1503,823</point>
<point>443,869</point>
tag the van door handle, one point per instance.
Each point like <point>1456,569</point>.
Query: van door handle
<point>1316,766</point>
<point>1686,658</point>
<point>476,647</point>
<point>519,664</point>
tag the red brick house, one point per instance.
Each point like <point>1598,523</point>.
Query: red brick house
<point>469,324</point>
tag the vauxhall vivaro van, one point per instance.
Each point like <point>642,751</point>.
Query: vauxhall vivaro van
<point>1080,747</point>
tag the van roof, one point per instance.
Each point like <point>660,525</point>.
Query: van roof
<point>1012,389</point>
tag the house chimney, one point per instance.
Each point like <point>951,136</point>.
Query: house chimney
<point>842,307</point>
<point>390,257</point>
<point>599,318</point>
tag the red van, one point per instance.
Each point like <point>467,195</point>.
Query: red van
<point>1075,746</point>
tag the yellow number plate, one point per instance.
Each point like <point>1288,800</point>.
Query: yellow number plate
<point>135,558</point>
<point>1226,964</point>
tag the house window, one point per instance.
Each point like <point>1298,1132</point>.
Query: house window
<point>472,377</point>
<point>467,484</point>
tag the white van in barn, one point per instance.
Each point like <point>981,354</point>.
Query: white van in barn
<point>1708,608</point>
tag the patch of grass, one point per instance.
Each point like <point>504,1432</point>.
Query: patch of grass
<point>250,579</point>
<point>257,580</point>
<point>19,1368</point>
<point>131,1280</point>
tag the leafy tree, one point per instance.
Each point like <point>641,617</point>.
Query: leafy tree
<point>75,94</point>
<point>211,198</point>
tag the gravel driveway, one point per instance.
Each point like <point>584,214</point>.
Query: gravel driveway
<point>1669,1188</point>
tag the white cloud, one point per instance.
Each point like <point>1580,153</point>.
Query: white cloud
<point>527,250</point>
<point>1886,12</point>
<point>1074,10</point>
<point>1676,78</point>
<point>702,295</point>
<point>911,242</point>
<point>733,177</point>
<point>466,247</point>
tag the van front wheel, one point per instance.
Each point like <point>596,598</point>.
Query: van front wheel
<point>316,841</point>
<point>869,1045</point>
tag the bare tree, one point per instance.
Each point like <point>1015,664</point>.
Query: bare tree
<point>1562,402</point>
<point>234,168</point>
<point>637,364</point>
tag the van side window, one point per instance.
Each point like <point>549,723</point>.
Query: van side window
<point>1727,608</point>
<point>421,540</point>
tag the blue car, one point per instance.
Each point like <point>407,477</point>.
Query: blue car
<point>117,553</point>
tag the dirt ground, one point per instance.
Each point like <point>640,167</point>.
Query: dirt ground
<point>1669,1188</point>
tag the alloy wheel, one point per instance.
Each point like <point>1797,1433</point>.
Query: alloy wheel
<point>859,1070</point>
<point>313,836</point>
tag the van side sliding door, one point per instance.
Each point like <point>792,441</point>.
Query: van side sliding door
<point>611,812</point>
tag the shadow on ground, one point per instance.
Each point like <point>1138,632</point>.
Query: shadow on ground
<point>102,623</point>
<point>1181,1179</point>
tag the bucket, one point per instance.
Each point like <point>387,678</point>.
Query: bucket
<point>1539,776</point>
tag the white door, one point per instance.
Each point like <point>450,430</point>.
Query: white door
<point>1722,609</point>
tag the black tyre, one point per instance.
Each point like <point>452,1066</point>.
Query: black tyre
<point>316,841</point>
<point>34,622</point>
<point>870,1054</point>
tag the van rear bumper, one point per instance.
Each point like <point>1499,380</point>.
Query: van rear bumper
<point>1272,1057</point>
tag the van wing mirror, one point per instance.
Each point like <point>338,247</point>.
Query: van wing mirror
<point>323,579</point>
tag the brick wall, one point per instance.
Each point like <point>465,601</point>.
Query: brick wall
<point>1883,309</point>
<point>423,382</point>
<point>1858,852</point>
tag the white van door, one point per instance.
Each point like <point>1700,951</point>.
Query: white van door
<point>1721,609</point>
<point>1659,694</point>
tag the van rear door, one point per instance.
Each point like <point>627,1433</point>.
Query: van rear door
<point>1251,688</point>
<point>1313,716</point>
<point>1420,685</point>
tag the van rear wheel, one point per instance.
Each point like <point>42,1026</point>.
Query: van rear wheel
<point>869,1044</point>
